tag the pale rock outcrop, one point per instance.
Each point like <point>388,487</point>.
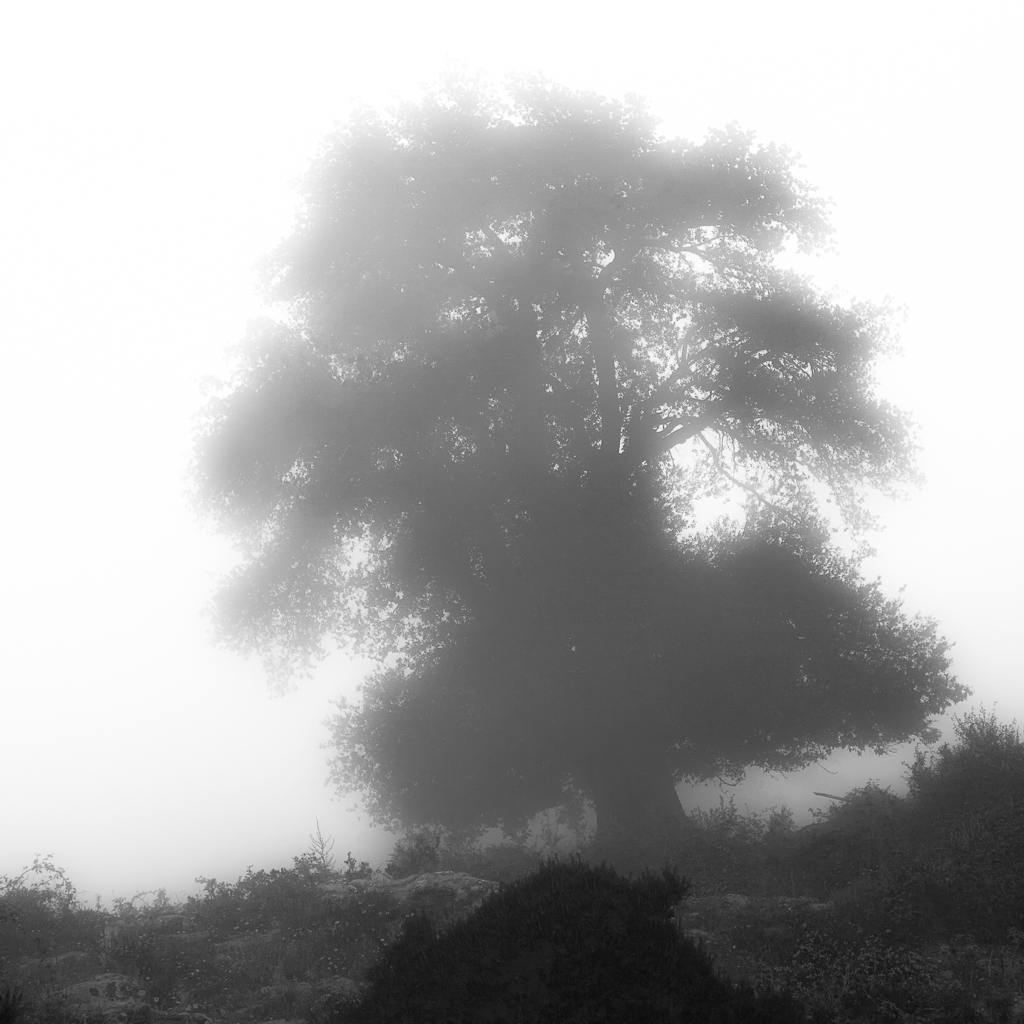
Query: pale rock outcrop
<point>445,897</point>
<point>448,896</point>
<point>114,997</point>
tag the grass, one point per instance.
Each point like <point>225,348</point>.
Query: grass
<point>923,917</point>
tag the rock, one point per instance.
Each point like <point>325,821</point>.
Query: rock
<point>445,896</point>
<point>112,996</point>
<point>159,921</point>
<point>448,896</point>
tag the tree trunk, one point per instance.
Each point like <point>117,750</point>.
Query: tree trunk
<point>639,816</point>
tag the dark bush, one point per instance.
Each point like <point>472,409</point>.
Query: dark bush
<point>572,942</point>
<point>984,771</point>
<point>852,838</point>
<point>285,897</point>
<point>12,1006</point>
<point>961,834</point>
<point>416,855</point>
<point>352,871</point>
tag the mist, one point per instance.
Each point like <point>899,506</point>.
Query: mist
<point>151,159</point>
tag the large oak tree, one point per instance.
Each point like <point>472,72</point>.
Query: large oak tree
<point>523,336</point>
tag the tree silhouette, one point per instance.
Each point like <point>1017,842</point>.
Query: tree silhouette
<point>524,336</point>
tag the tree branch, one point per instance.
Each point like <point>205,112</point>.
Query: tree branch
<point>666,442</point>
<point>621,255</point>
<point>749,488</point>
<point>579,445</point>
<point>658,444</point>
<point>499,246</point>
<point>660,394</point>
<point>607,384</point>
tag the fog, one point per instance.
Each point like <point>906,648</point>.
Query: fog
<point>150,156</point>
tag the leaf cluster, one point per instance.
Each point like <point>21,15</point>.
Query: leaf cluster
<point>525,333</point>
<point>503,313</point>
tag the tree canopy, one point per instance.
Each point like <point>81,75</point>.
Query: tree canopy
<point>524,335</point>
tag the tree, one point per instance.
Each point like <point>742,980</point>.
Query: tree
<point>524,336</point>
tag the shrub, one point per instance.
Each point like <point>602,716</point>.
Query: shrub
<point>851,839</point>
<point>33,916</point>
<point>260,901</point>
<point>985,770</point>
<point>12,1006</point>
<point>847,978</point>
<point>571,942</point>
<point>960,834</point>
<point>353,872</point>
<point>415,855</point>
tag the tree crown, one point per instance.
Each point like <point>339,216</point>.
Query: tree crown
<point>507,319</point>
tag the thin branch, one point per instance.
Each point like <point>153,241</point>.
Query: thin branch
<point>660,394</point>
<point>665,442</point>
<point>674,249</point>
<point>580,446</point>
<point>500,247</point>
<point>621,256</point>
<point>652,444</point>
<point>607,384</point>
<point>739,483</point>
<point>695,252</point>
<point>687,360</point>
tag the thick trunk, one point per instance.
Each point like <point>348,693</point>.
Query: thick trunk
<point>639,816</point>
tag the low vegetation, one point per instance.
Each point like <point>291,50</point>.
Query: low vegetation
<point>924,915</point>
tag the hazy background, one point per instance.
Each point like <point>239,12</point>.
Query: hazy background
<point>147,155</point>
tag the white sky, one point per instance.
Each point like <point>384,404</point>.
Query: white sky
<point>146,159</point>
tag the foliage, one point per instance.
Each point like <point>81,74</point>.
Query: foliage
<point>915,935</point>
<point>571,939</point>
<point>414,856</point>
<point>508,317</point>
<point>262,899</point>
<point>854,837</point>
<point>853,961</point>
<point>320,852</point>
<point>962,832</point>
<point>51,896</point>
<point>12,1005</point>
<point>37,913</point>
<point>844,977</point>
<point>139,951</point>
<point>984,771</point>
<point>363,870</point>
